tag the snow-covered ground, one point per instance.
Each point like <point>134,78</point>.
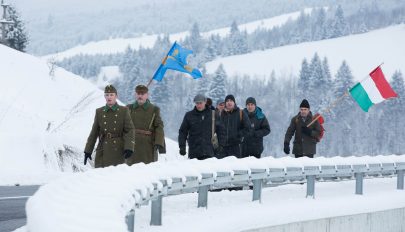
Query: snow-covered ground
<point>363,52</point>
<point>147,41</point>
<point>44,119</point>
<point>108,194</point>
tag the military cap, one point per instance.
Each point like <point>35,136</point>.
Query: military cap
<point>110,89</point>
<point>141,89</point>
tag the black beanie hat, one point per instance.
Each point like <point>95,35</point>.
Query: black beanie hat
<point>304,104</point>
<point>230,96</point>
<point>251,100</point>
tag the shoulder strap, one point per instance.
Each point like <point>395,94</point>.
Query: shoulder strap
<point>153,116</point>
<point>213,124</point>
<point>240,115</point>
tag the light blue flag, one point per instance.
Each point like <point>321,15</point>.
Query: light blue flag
<point>176,59</point>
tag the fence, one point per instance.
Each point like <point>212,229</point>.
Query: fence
<point>266,172</point>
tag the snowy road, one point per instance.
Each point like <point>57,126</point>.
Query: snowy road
<point>12,206</point>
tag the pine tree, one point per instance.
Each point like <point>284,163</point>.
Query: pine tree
<point>218,89</point>
<point>303,80</point>
<point>393,113</point>
<point>16,35</point>
<point>343,81</point>
<point>339,24</point>
<point>314,82</point>
<point>237,41</point>
<point>195,41</point>
<point>319,27</point>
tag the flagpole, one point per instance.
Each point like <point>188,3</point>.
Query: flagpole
<point>331,106</point>
<point>160,66</point>
<point>327,110</point>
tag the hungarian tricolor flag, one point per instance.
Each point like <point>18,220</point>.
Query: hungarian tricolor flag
<point>372,90</point>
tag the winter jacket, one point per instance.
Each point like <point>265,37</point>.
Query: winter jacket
<point>253,145</point>
<point>148,130</point>
<point>304,145</point>
<point>236,128</point>
<point>115,132</point>
<point>196,129</point>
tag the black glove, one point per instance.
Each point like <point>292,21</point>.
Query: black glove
<point>306,130</point>
<point>287,148</point>
<point>127,153</point>
<point>219,150</point>
<point>157,147</point>
<point>182,150</point>
<point>87,156</point>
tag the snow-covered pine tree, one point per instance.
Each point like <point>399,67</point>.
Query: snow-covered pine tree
<point>218,89</point>
<point>237,41</point>
<point>303,80</point>
<point>343,81</point>
<point>16,34</point>
<point>339,27</point>
<point>319,26</point>
<point>393,114</point>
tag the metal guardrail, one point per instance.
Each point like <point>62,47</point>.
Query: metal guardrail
<point>257,178</point>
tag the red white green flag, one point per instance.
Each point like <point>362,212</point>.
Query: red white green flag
<point>372,90</point>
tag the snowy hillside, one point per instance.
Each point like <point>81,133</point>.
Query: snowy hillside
<point>147,41</point>
<point>363,52</point>
<point>44,120</point>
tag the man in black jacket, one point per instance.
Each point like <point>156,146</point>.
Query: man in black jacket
<point>253,145</point>
<point>237,127</point>
<point>197,130</point>
<point>304,136</point>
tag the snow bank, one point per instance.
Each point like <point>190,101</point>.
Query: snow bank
<point>99,199</point>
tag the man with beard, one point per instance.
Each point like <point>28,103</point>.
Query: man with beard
<point>150,138</point>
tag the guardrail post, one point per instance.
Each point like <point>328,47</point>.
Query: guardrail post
<point>156,212</point>
<point>400,179</point>
<point>359,182</point>
<point>130,220</point>
<point>311,186</point>
<point>257,190</point>
<point>203,196</point>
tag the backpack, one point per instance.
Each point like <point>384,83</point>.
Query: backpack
<point>321,120</point>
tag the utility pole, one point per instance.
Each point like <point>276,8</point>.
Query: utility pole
<point>4,22</point>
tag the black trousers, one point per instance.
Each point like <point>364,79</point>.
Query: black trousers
<point>302,155</point>
<point>233,150</point>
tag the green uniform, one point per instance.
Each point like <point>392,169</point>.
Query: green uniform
<point>115,130</point>
<point>149,132</point>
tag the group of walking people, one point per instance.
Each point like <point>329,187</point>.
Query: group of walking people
<point>135,133</point>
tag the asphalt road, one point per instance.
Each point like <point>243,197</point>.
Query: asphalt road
<point>12,206</point>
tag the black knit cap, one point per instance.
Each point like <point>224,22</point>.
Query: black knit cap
<point>251,100</point>
<point>231,97</point>
<point>304,104</point>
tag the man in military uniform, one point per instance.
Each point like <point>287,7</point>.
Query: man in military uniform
<point>114,129</point>
<point>148,124</point>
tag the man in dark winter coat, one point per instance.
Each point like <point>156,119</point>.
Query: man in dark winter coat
<point>197,130</point>
<point>253,145</point>
<point>305,137</point>
<point>237,128</point>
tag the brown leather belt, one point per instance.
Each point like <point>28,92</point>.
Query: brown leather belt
<point>111,135</point>
<point>143,132</point>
